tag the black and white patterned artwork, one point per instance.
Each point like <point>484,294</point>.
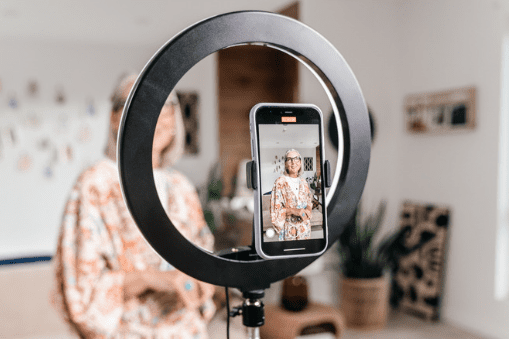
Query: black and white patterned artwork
<point>189,106</point>
<point>308,164</point>
<point>417,282</point>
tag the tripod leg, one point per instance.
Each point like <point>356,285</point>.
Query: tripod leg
<point>253,332</point>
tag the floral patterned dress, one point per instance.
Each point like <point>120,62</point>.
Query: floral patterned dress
<point>282,197</point>
<point>99,243</point>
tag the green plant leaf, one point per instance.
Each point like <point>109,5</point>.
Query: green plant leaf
<point>360,258</point>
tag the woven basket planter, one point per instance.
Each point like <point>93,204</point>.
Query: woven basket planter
<point>365,302</point>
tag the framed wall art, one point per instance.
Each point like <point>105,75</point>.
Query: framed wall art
<point>441,112</point>
<point>418,280</point>
<point>189,106</point>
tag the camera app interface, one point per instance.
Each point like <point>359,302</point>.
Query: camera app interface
<point>291,188</point>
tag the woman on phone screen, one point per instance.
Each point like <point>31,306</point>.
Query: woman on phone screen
<point>291,201</point>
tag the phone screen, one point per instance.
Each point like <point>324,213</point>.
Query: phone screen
<point>292,209</point>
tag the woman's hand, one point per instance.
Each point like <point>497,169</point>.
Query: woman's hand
<point>135,283</point>
<point>138,282</point>
<point>308,214</point>
<point>161,281</point>
<point>168,282</point>
<point>303,213</point>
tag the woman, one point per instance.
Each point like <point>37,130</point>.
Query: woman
<point>110,282</point>
<point>290,203</point>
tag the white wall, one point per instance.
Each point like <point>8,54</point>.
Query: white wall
<point>202,78</point>
<point>449,44</point>
<point>366,34</point>
<point>397,48</point>
<point>31,204</point>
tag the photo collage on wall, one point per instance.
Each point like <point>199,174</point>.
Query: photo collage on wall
<point>279,164</point>
<point>36,135</point>
<point>441,112</point>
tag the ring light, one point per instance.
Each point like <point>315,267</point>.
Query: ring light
<point>146,100</point>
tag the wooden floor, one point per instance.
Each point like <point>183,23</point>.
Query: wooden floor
<point>404,326</point>
<point>26,313</point>
<point>400,326</point>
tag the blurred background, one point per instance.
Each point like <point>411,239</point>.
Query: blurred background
<point>59,61</point>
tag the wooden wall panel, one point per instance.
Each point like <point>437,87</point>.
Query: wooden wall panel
<point>248,75</point>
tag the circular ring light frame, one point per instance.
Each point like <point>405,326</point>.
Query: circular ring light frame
<point>159,78</point>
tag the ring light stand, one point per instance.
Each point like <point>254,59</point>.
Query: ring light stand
<point>240,268</point>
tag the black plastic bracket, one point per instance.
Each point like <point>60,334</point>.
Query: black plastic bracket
<point>327,174</point>
<point>251,175</point>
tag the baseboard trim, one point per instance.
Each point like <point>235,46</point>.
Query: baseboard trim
<point>25,260</point>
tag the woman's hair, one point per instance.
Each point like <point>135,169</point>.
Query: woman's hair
<point>175,149</point>
<point>119,96</point>
<point>301,169</point>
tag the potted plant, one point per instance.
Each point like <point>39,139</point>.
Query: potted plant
<point>364,288</point>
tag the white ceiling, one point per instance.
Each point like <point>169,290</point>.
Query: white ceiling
<point>288,136</point>
<point>113,22</point>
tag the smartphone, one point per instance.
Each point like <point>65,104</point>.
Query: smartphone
<point>287,149</point>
